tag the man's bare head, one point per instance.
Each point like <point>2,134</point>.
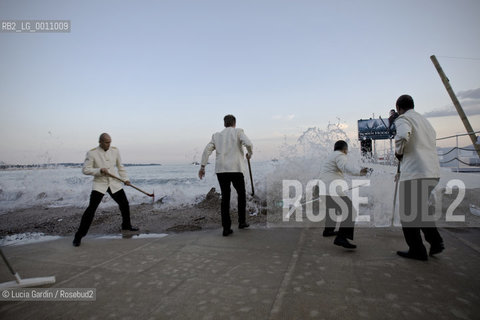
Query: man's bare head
<point>404,103</point>
<point>105,141</point>
<point>229,121</point>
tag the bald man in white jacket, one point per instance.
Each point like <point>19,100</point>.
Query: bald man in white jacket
<point>415,147</point>
<point>229,167</point>
<point>98,163</point>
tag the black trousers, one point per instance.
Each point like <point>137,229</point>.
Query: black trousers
<point>347,225</point>
<point>225,179</point>
<point>95,199</point>
<point>416,215</point>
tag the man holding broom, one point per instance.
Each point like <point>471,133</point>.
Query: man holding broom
<point>415,148</point>
<point>229,167</point>
<point>100,162</point>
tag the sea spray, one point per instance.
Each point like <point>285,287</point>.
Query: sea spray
<point>302,162</point>
<point>178,185</point>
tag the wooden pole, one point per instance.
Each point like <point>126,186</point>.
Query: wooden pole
<point>456,103</point>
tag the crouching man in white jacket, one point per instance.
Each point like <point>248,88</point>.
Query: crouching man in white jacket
<point>333,169</point>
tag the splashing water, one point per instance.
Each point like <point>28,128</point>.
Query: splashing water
<point>178,185</point>
<point>302,161</point>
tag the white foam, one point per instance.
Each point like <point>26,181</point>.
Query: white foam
<point>26,238</point>
<point>176,185</point>
<point>302,161</point>
<point>474,210</point>
<point>179,185</point>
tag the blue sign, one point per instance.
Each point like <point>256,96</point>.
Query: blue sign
<point>375,129</point>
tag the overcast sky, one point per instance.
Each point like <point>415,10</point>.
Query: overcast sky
<point>160,75</point>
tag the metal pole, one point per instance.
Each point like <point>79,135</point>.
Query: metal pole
<point>458,156</point>
<point>391,156</point>
<point>456,103</point>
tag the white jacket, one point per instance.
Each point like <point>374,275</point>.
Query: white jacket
<point>97,159</point>
<point>334,167</point>
<point>416,140</point>
<point>229,150</point>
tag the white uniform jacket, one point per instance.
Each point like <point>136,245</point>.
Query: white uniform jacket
<point>416,140</point>
<point>334,167</point>
<point>97,159</point>
<point>229,150</point>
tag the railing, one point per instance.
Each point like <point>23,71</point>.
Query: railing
<point>457,149</point>
<point>386,155</point>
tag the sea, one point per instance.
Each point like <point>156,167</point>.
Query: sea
<point>179,185</point>
<point>173,185</point>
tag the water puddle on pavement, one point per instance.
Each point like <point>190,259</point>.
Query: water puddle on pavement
<point>134,236</point>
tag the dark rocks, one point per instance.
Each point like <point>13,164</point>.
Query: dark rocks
<point>212,200</point>
<point>41,195</point>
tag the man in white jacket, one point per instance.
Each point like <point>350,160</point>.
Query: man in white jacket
<point>333,169</point>
<point>415,148</point>
<point>229,167</point>
<point>98,163</point>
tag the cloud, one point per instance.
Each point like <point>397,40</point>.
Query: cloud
<point>287,117</point>
<point>469,94</point>
<point>469,100</point>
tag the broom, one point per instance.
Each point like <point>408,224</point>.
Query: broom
<point>19,282</point>
<point>134,187</point>
<point>251,178</point>
<point>395,194</point>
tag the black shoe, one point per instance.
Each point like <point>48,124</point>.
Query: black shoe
<point>76,242</point>
<point>437,248</point>
<point>409,255</point>
<point>130,229</point>
<point>226,233</point>
<point>243,225</point>
<point>330,233</point>
<point>343,242</point>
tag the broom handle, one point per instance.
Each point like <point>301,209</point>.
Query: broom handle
<point>6,262</point>
<point>251,178</point>
<point>395,194</point>
<point>131,185</point>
